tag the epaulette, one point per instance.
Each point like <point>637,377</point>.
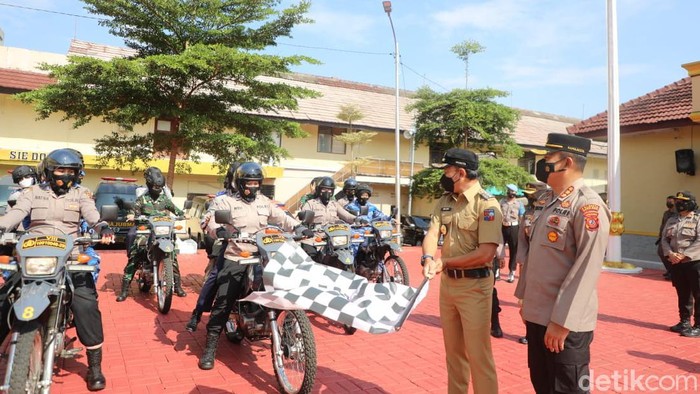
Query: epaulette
<point>485,195</point>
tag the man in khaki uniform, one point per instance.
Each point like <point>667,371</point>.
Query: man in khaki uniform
<point>470,221</point>
<point>681,246</point>
<point>557,285</point>
<point>512,210</point>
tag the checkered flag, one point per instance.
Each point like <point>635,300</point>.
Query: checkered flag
<point>293,281</point>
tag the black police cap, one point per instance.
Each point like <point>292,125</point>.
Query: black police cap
<point>460,158</point>
<point>567,143</point>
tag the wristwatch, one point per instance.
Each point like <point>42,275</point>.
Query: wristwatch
<point>423,257</point>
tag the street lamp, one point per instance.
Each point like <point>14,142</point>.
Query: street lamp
<point>397,140</point>
<point>411,135</point>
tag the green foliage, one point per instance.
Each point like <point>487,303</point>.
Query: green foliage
<point>466,48</point>
<point>350,113</point>
<point>466,118</point>
<point>492,172</point>
<point>197,63</point>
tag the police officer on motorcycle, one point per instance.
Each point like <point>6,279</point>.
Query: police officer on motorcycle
<point>58,204</point>
<point>363,194</point>
<point>250,211</point>
<point>347,195</point>
<point>153,203</point>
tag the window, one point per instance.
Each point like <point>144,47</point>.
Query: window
<point>527,162</point>
<point>328,141</point>
<point>277,138</point>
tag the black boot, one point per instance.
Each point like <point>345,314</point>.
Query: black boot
<point>682,325</point>
<point>496,331</point>
<point>125,290</point>
<point>95,380</point>
<point>207,360</point>
<point>178,288</point>
<point>194,320</point>
<point>693,332</point>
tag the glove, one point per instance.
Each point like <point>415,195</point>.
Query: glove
<point>222,232</point>
<point>106,231</point>
<point>361,220</point>
<point>301,231</point>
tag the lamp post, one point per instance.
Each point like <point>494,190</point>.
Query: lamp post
<point>397,141</point>
<point>411,135</point>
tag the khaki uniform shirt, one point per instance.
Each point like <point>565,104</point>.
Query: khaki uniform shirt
<point>249,217</point>
<point>566,249</point>
<point>467,220</point>
<point>511,211</point>
<point>61,213</point>
<point>325,214</point>
<point>681,235</point>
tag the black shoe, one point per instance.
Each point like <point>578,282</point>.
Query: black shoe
<point>667,275</point>
<point>693,332</point>
<point>125,290</point>
<point>180,292</point>
<point>209,356</point>
<point>683,325</point>
<point>496,331</point>
<point>194,320</point>
<point>523,340</point>
<point>95,379</point>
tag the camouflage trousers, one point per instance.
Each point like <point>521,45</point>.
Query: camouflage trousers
<point>137,255</point>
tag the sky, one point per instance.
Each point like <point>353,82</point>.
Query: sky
<point>548,55</point>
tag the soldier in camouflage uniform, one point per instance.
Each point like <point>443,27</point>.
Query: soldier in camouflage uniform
<point>153,203</point>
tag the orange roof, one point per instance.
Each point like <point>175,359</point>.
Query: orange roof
<point>18,81</point>
<point>666,107</point>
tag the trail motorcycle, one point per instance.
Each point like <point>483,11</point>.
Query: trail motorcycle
<point>293,344</point>
<point>155,237</point>
<point>333,244</point>
<point>41,304</point>
<point>378,240</point>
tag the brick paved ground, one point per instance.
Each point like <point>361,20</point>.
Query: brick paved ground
<point>146,352</point>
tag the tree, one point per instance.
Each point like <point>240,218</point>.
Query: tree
<point>196,63</point>
<point>351,113</point>
<point>463,50</point>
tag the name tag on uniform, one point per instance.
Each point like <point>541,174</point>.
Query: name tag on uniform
<point>445,209</point>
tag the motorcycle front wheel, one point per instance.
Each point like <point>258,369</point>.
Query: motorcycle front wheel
<point>164,285</point>
<point>294,358</point>
<point>28,362</point>
<point>395,270</point>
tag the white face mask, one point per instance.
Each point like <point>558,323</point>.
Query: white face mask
<point>26,182</point>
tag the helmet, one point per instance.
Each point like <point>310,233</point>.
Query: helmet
<point>154,178</point>
<point>326,182</point>
<point>363,188</point>
<point>21,172</point>
<point>228,180</point>
<point>61,158</point>
<point>81,173</point>
<point>248,171</point>
<point>350,184</point>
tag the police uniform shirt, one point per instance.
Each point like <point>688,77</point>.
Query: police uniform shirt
<point>325,214</point>
<point>681,235</point>
<point>467,220</point>
<point>55,212</point>
<point>511,211</point>
<point>248,218</point>
<point>566,249</point>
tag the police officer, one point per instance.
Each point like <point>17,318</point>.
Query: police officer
<point>24,176</point>
<point>347,195</point>
<point>681,246</point>
<point>565,251</point>
<point>59,205</point>
<point>153,203</point>
<point>470,220</point>
<point>512,211</point>
<point>363,193</point>
<point>250,212</point>
<point>670,211</point>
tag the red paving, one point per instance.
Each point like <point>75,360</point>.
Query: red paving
<point>146,352</point>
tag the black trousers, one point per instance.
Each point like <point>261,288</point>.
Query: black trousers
<point>510,237</point>
<point>565,372</point>
<point>660,252</point>
<point>208,292</point>
<point>495,304</point>
<point>686,279</point>
<point>230,286</point>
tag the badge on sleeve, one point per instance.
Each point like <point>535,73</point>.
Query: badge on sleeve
<point>590,216</point>
<point>489,215</point>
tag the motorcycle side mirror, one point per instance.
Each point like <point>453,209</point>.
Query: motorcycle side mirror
<point>394,211</point>
<point>109,212</point>
<point>364,210</point>
<point>128,204</point>
<point>306,217</point>
<point>222,216</point>
<point>188,205</point>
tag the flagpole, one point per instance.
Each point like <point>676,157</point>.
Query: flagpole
<point>407,311</point>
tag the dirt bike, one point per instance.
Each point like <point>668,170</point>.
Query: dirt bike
<point>155,237</point>
<point>41,304</point>
<point>379,240</point>
<point>293,344</point>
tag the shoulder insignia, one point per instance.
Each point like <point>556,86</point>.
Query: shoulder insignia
<point>485,195</point>
<point>489,214</point>
<point>565,204</point>
<point>590,216</point>
<point>566,192</point>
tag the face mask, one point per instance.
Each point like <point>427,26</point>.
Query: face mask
<point>447,183</point>
<point>63,181</point>
<point>511,195</point>
<point>543,169</point>
<point>350,194</point>
<point>249,193</point>
<point>26,182</point>
<point>362,200</point>
<point>669,205</point>
<point>154,193</point>
<point>325,197</point>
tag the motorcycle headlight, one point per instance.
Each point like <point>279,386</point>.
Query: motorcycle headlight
<point>162,230</point>
<point>40,265</point>
<point>340,240</point>
<point>384,234</point>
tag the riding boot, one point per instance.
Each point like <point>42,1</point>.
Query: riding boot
<point>95,379</point>
<point>125,290</point>
<point>194,320</point>
<point>178,287</point>
<point>208,358</point>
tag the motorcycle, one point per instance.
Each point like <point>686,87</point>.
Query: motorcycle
<point>293,344</point>
<point>155,237</point>
<point>379,240</point>
<point>41,303</point>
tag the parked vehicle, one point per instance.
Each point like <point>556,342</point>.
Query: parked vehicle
<point>293,343</point>
<point>7,187</point>
<point>414,228</point>
<point>41,303</point>
<point>120,192</point>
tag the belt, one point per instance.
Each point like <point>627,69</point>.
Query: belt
<point>510,224</point>
<point>473,273</point>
